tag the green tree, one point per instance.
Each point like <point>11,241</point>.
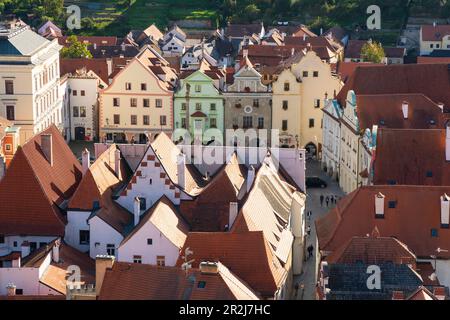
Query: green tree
<point>76,49</point>
<point>372,51</point>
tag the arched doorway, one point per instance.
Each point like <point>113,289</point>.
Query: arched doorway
<point>311,150</point>
<point>80,133</point>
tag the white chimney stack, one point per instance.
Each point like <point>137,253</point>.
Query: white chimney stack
<point>137,210</point>
<point>85,160</point>
<point>445,210</point>
<point>250,177</point>
<point>181,170</point>
<point>441,106</point>
<point>25,249</point>
<point>233,214</point>
<point>379,205</point>
<point>47,147</point>
<point>117,163</point>
<point>405,109</point>
<point>304,37</point>
<point>55,251</point>
<point>447,143</point>
<point>95,46</point>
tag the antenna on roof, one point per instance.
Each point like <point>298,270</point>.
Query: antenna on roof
<point>187,265</point>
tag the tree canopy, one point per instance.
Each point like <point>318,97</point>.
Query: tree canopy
<point>372,51</point>
<point>76,49</point>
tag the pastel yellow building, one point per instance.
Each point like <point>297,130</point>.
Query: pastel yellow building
<point>138,104</point>
<point>298,95</point>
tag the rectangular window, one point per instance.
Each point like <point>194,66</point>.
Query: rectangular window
<point>260,123</point>
<point>163,120</point>
<point>212,123</point>
<point>84,236</point>
<point>128,86</point>
<point>10,113</point>
<point>133,119</point>
<point>9,87</point>
<point>142,203</point>
<point>285,104</point>
<point>133,102</point>
<point>311,123</point>
<point>256,103</point>
<point>146,120</point>
<point>143,87</point>
<point>83,112</point>
<point>75,92</point>
<point>198,88</point>
<point>305,74</point>
<point>315,74</point>
<point>248,122</point>
<point>137,259</point>
<point>117,119</point>
<point>116,102</point>
<point>284,125</point>
<point>160,261</point>
<point>110,249</point>
<point>434,233</point>
<point>83,93</point>
<point>19,292</point>
<point>76,112</point>
<point>286,86</point>
<point>183,106</point>
<point>149,242</point>
<point>392,204</point>
<point>213,107</point>
<point>317,103</point>
<point>183,123</point>
<point>146,103</point>
<point>198,106</point>
<point>158,103</point>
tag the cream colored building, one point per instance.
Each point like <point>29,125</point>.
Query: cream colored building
<point>138,104</point>
<point>30,95</point>
<point>434,37</point>
<point>298,98</point>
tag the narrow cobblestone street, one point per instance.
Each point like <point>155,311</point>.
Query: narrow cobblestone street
<point>307,280</point>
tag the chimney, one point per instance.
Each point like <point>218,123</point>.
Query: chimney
<point>445,210</point>
<point>292,51</point>
<point>379,205</point>
<point>123,47</point>
<point>209,267</point>
<point>304,37</point>
<point>447,143</point>
<point>137,210</point>
<point>117,163</point>
<point>95,46</point>
<point>25,249</point>
<point>181,167</point>
<point>10,290</point>
<point>55,251</point>
<point>250,177</point>
<point>441,106</point>
<point>233,214</point>
<point>102,263</point>
<point>47,147</point>
<point>321,31</point>
<point>85,160</point>
<point>405,109</point>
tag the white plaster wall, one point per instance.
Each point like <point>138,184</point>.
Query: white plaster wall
<point>103,234</point>
<point>76,221</point>
<point>137,245</point>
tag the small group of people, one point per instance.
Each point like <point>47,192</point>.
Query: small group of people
<point>328,200</point>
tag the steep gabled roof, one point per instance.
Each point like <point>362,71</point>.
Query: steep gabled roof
<point>165,217</point>
<point>32,189</point>
<point>434,33</point>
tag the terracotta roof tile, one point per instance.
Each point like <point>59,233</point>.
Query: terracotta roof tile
<point>434,33</point>
<point>32,189</point>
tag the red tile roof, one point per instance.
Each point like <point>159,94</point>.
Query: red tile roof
<point>417,211</point>
<point>126,281</point>
<point>99,66</point>
<point>346,69</point>
<point>248,254</point>
<point>423,113</point>
<point>32,189</point>
<point>432,80</point>
<point>98,40</point>
<point>354,48</point>
<point>409,156</point>
<point>436,60</point>
<point>435,33</point>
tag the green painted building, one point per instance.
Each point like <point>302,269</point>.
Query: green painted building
<point>198,105</point>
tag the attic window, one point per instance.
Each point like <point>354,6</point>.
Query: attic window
<point>429,174</point>
<point>392,204</point>
<point>201,284</point>
<point>434,233</point>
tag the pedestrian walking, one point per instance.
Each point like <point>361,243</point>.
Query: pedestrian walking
<point>310,251</point>
<point>308,230</point>
<point>327,200</point>
<point>321,200</point>
<point>309,214</point>
<point>332,199</point>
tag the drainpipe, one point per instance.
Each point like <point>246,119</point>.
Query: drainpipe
<point>69,114</point>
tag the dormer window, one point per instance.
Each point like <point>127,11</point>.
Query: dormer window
<point>392,204</point>
<point>429,174</point>
<point>434,233</point>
